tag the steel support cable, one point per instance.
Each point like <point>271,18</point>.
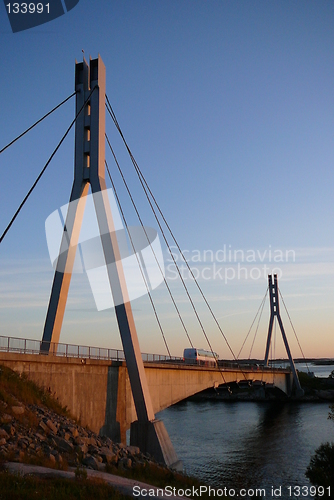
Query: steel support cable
<point>143,183</point>
<point>271,348</point>
<point>139,265</point>
<point>158,222</point>
<point>250,329</point>
<point>274,357</point>
<point>44,168</point>
<point>142,225</point>
<point>36,123</point>
<point>141,179</point>
<point>294,331</point>
<point>272,343</point>
<point>147,188</point>
<point>258,323</point>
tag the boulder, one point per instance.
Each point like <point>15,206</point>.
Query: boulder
<point>44,427</point>
<point>108,456</point>
<point>91,462</point>
<point>52,426</point>
<point>73,430</point>
<point>6,418</point>
<point>18,410</point>
<point>3,434</point>
<point>63,445</point>
<point>133,450</point>
<point>10,429</point>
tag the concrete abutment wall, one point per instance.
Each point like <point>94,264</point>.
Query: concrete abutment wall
<point>98,392</point>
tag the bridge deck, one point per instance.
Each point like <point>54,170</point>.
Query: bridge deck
<point>98,392</point>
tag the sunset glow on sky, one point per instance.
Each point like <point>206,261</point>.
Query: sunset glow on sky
<point>228,108</point>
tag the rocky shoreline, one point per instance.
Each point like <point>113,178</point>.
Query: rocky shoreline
<point>32,433</point>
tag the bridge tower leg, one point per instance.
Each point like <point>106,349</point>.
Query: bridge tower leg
<point>275,311</point>
<point>90,84</point>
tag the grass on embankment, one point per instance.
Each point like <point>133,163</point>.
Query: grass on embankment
<point>158,476</point>
<point>15,487</point>
<point>18,388</point>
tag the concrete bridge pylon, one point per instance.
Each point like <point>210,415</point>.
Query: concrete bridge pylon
<point>89,170</point>
<point>275,313</point>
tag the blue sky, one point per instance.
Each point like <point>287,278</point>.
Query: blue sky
<point>228,109</point>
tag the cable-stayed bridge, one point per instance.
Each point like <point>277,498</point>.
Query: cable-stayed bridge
<point>94,383</point>
<point>130,391</point>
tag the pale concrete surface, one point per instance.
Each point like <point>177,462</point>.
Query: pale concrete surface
<point>98,392</point>
<point>152,438</point>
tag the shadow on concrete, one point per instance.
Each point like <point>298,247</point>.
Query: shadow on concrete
<point>111,427</point>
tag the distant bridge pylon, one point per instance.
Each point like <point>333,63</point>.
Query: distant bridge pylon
<point>275,313</point>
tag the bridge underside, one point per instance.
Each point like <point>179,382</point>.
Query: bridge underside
<point>98,393</point>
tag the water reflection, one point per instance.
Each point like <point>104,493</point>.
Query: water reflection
<point>248,444</point>
<point>267,453</point>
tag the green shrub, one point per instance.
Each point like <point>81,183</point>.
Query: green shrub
<point>320,471</point>
<point>80,473</point>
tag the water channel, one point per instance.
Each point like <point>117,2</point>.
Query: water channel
<point>241,444</point>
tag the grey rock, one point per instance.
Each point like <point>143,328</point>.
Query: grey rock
<point>44,426</point>
<point>101,467</point>
<point>90,461</point>
<point>133,450</point>
<point>67,436</point>
<point>93,450</point>
<point>40,436</point>
<point>6,418</point>
<point>52,426</point>
<point>108,456</point>
<point>92,441</point>
<point>83,448</point>
<point>82,440</point>
<point>58,435</point>
<point>74,431</point>
<point>18,410</point>
<point>4,434</point>
<point>63,445</point>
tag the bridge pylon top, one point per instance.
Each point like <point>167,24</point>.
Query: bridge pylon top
<point>275,313</point>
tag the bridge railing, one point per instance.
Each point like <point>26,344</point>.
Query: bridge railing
<point>30,346</point>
